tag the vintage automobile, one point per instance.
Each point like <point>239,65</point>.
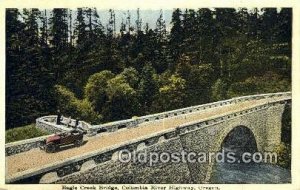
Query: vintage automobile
<point>53,143</point>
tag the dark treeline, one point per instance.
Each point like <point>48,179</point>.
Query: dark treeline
<point>90,71</point>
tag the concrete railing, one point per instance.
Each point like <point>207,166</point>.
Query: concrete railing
<point>195,125</point>
<point>76,164</point>
<point>23,146</point>
<point>48,123</point>
<point>114,126</point>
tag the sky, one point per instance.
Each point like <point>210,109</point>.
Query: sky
<point>147,16</point>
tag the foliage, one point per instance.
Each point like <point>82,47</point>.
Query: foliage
<point>29,80</point>
<point>147,88</point>
<point>172,95</point>
<point>69,105</point>
<point>284,149</point>
<point>287,125</point>
<point>131,76</point>
<point>269,82</point>
<point>89,70</point>
<point>24,132</point>
<point>113,96</point>
<point>122,99</point>
<point>95,89</point>
<point>284,155</point>
<point>219,90</point>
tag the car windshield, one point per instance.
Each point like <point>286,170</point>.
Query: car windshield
<point>74,132</point>
<point>63,134</point>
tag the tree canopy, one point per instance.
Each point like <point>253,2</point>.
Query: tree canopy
<point>90,71</point>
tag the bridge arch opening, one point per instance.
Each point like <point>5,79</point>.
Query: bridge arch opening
<point>239,140</point>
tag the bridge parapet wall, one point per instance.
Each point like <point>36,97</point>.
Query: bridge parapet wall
<point>195,125</point>
<point>23,146</point>
<point>48,123</point>
<point>114,126</point>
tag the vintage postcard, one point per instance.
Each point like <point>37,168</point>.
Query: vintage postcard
<point>150,95</point>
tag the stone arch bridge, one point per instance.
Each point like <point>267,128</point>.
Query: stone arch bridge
<point>200,128</point>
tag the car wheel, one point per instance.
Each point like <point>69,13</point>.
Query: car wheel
<point>50,148</point>
<point>78,143</point>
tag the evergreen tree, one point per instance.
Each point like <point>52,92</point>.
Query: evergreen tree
<point>147,88</point>
<point>59,29</point>
<point>285,25</point>
<point>59,42</point>
<point>28,79</point>
<point>14,53</point>
<point>80,27</point>
<point>161,53</point>
<point>176,35</point>
<point>269,25</point>
<point>254,24</point>
<point>44,29</point>
<point>98,29</point>
<point>206,39</point>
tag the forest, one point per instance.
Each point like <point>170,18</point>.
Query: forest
<point>90,71</point>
